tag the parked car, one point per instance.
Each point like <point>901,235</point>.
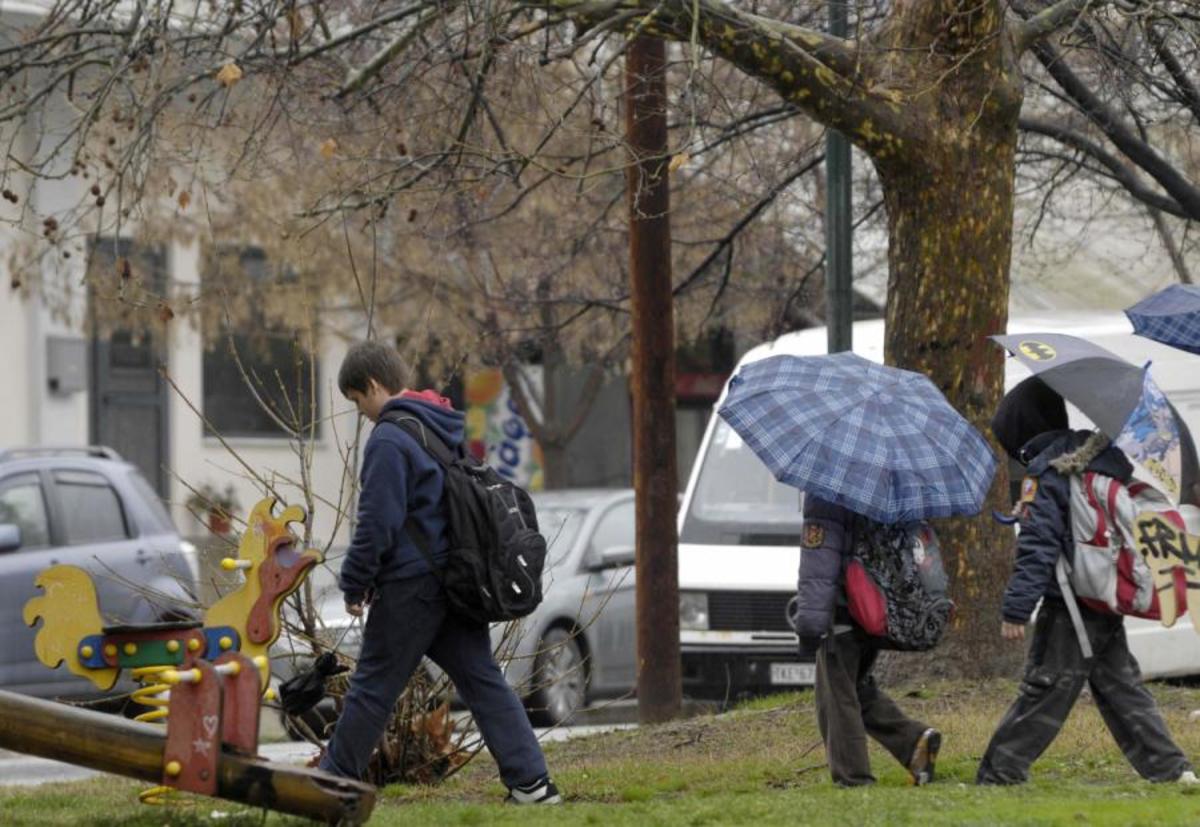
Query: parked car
<point>89,508</point>
<point>579,644</point>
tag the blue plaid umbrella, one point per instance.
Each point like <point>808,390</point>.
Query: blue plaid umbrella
<point>878,440</point>
<point>1170,316</point>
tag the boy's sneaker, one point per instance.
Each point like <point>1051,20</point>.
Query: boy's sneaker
<point>1187,777</point>
<point>539,792</point>
<point>920,766</point>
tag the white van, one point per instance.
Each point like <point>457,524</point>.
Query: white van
<point>739,529</point>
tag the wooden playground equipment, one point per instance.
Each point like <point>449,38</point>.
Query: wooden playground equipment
<point>205,679</point>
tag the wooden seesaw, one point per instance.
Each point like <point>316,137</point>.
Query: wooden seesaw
<point>205,678</point>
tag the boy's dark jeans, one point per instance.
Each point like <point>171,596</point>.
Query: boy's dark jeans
<point>408,619</point>
<point>850,706</point>
<point>1054,675</point>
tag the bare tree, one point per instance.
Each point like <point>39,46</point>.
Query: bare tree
<point>1115,103</point>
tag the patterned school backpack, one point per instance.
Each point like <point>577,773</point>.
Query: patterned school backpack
<point>896,585</point>
<point>1106,571</point>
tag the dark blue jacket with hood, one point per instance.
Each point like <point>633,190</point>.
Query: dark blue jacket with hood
<point>399,478</point>
<point>1046,517</point>
<point>1031,425</point>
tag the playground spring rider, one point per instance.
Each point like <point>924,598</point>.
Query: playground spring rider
<point>205,678</point>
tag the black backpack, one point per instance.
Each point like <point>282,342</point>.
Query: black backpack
<point>496,555</point>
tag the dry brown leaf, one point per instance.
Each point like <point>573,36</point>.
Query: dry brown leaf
<point>229,74</point>
<point>295,24</point>
<point>185,198</point>
<point>124,270</point>
<point>165,313</point>
<point>329,148</point>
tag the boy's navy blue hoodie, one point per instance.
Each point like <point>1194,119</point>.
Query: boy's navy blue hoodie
<point>399,478</point>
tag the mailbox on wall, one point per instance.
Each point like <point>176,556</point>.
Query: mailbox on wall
<point>66,364</point>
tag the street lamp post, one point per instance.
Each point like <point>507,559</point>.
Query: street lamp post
<point>839,268</point>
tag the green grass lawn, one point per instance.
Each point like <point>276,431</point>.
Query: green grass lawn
<point>761,764</point>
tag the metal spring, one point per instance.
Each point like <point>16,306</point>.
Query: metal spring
<point>156,695</point>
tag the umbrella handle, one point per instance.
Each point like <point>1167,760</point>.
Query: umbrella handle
<point>1005,519</point>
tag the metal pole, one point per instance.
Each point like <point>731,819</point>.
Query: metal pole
<point>653,381</point>
<point>113,744</point>
<point>839,268</point>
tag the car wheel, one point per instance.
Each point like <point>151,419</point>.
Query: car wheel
<point>559,679</point>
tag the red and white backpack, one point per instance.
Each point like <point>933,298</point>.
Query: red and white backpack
<point>1108,573</point>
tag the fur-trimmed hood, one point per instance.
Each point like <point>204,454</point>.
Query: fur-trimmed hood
<point>1070,453</point>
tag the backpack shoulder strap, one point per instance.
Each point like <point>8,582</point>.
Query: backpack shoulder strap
<point>428,440</point>
<point>437,449</point>
<point>1062,572</point>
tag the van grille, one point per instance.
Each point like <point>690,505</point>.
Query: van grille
<point>748,611</point>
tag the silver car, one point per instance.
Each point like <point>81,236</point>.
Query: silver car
<point>88,508</point>
<point>579,644</point>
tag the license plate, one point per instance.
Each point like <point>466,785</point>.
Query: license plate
<point>793,674</point>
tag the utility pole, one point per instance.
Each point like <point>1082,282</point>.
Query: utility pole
<point>839,268</point>
<point>653,382</point>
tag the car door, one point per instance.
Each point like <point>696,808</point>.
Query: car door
<point>22,503</point>
<point>98,534</point>
<point>611,601</point>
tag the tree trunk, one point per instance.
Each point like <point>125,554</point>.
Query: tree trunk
<point>950,205</point>
<point>554,465</point>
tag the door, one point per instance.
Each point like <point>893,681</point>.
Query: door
<point>96,533</point>
<point>611,603</point>
<point>129,410</point>
<point>23,503</point>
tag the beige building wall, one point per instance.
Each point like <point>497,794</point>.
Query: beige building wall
<point>197,459</point>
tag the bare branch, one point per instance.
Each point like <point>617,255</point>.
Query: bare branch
<point>811,70</point>
<point>1176,255</point>
<point>1120,171</point>
<point>1048,21</point>
<point>726,241</point>
<point>1186,194</point>
<point>1186,85</point>
<point>386,55</point>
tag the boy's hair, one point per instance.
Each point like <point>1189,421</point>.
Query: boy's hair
<point>372,360</point>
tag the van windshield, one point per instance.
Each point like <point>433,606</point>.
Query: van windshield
<point>737,501</point>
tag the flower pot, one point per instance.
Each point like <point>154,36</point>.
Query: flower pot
<point>219,523</point>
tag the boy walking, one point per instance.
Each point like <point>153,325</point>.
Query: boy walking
<point>1031,425</point>
<point>408,616</point>
<point>850,705</point>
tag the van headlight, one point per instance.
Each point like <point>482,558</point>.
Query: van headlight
<point>693,611</point>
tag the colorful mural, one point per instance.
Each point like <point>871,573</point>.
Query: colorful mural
<point>497,433</point>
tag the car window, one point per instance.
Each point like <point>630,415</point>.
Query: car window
<point>22,503</point>
<point>559,526</point>
<point>158,513</point>
<point>615,528</point>
<point>91,509</point>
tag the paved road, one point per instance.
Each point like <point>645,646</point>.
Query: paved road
<point>17,769</point>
